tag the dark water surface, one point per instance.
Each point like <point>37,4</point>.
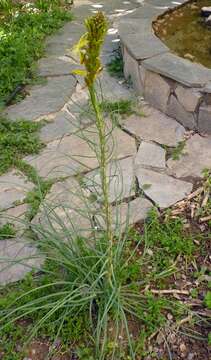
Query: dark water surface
<point>184,32</point>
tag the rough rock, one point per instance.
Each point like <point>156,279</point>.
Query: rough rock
<point>150,155</point>
<point>66,210</point>
<point>129,213</point>
<point>44,99</point>
<point>138,45</point>
<point>197,158</point>
<point>72,154</point>
<point>156,90</point>
<point>188,98</point>
<point>179,69</point>
<point>131,71</point>
<point>110,88</point>
<point>155,126</point>
<point>17,258</point>
<point>15,216</point>
<point>162,189</point>
<point>206,11</point>
<point>204,119</point>
<point>63,124</point>
<point>62,42</point>
<point>176,110</point>
<point>55,66</point>
<point>13,188</point>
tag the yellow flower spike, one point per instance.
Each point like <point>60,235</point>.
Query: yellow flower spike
<point>89,47</point>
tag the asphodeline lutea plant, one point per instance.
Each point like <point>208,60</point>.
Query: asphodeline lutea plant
<point>89,49</point>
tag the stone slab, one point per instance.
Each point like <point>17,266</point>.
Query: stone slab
<point>121,180</point>
<point>72,154</point>
<point>131,72</point>
<point>188,98</point>
<point>63,124</point>
<point>55,66</point>
<point>145,12</point>
<point>156,90</point>
<point>179,69</point>
<point>204,119</point>
<point>110,88</point>
<point>150,155</point>
<point>128,214</point>
<point>44,99</point>
<point>63,41</point>
<point>66,210</point>
<point>155,126</point>
<point>17,258</point>
<point>133,26</point>
<point>165,4</point>
<point>197,157</point>
<point>143,45</point>
<point>13,188</point>
<point>15,216</point>
<point>162,189</point>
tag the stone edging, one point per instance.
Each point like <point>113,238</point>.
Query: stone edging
<point>176,86</point>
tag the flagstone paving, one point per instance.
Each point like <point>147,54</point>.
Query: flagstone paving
<point>142,175</point>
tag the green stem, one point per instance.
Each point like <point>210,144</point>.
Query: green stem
<point>101,128</point>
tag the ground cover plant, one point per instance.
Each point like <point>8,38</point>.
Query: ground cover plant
<point>105,296</point>
<point>115,66</point>
<point>23,28</point>
<point>17,139</point>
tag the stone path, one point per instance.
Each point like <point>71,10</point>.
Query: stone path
<point>141,176</point>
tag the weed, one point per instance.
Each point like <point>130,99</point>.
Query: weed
<point>36,196</point>
<point>168,240</point>
<point>42,187</point>
<point>178,151</point>
<point>7,231</point>
<point>209,339</point>
<point>115,67</point>
<point>17,139</point>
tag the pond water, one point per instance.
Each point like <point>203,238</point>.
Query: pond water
<point>184,31</point>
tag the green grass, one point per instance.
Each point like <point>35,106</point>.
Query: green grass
<point>36,196</point>
<point>7,231</point>
<point>22,34</point>
<point>120,107</point>
<point>116,66</point>
<point>42,187</point>
<point>17,139</point>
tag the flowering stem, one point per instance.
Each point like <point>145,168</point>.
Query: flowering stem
<point>101,128</point>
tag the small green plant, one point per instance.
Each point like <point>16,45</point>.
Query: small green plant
<point>115,67</point>
<point>120,107</point>
<point>7,231</point>
<point>17,139</point>
<point>178,151</point>
<point>168,239</point>
<point>36,196</point>
<point>27,25</point>
<point>208,300</point>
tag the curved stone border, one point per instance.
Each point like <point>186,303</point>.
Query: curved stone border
<point>176,86</point>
